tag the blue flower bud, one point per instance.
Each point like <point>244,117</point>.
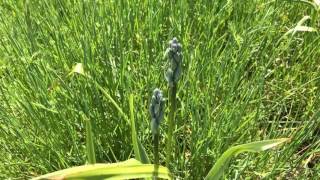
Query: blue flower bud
<point>156,110</point>
<point>174,55</point>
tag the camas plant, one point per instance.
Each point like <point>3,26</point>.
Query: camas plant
<point>173,73</point>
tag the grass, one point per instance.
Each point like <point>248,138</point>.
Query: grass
<point>239,84</point>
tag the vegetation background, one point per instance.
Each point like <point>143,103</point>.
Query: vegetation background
<point>244,79</point>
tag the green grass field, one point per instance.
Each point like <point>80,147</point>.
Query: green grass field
<point>250,72</point>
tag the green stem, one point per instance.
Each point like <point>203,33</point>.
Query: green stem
<point>156,148</point>
<point>89,142</point>
<point>171,119</point>
<point>156,154</point>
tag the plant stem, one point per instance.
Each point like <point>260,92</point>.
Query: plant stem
<point>170,142</point>
<point>156,154</point>
<point>156,148</point>
<point>89,142</point>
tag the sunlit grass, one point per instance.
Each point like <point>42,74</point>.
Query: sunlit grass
<point>242,81</point>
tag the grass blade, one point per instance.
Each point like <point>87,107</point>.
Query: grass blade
<point>91,157</point>
<point>89,141</point>
<point>315,4</point>
<point>138,148</point>
<point>107,95</point>
<point>217,170</point>
<point>300,28</point>
<point>78,68</point>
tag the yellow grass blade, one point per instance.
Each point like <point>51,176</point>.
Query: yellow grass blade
<point>129,169</point>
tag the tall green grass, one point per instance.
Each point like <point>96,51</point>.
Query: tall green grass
<point>239,84</point>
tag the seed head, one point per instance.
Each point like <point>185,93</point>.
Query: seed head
<point>156,110</point>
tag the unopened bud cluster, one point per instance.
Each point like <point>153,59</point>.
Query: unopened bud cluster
<point>174,55</point>
<point>156,110</point>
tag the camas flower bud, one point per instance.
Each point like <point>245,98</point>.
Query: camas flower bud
<point>156,110</point>
<point>174,55</point>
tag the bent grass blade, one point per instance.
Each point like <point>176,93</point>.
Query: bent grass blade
<point>217,170</point>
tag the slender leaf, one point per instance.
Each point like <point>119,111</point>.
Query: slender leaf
<point>78,68</point>
<point>107,95</point>
<point>91,155</point>
<point>138,148</point>
<point>300,28</point>
<point>217,170</point>
<point>314,4</point>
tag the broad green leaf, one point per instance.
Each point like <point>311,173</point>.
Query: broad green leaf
<point>217,170</point>
<point>130,169</point>
<point>138,148</point>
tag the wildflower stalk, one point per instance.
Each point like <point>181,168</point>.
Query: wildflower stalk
<point>156,148</point>
<point>174,56</point>
<point>156,154</point>
<point>156,112</point>
<point>171,119</point>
